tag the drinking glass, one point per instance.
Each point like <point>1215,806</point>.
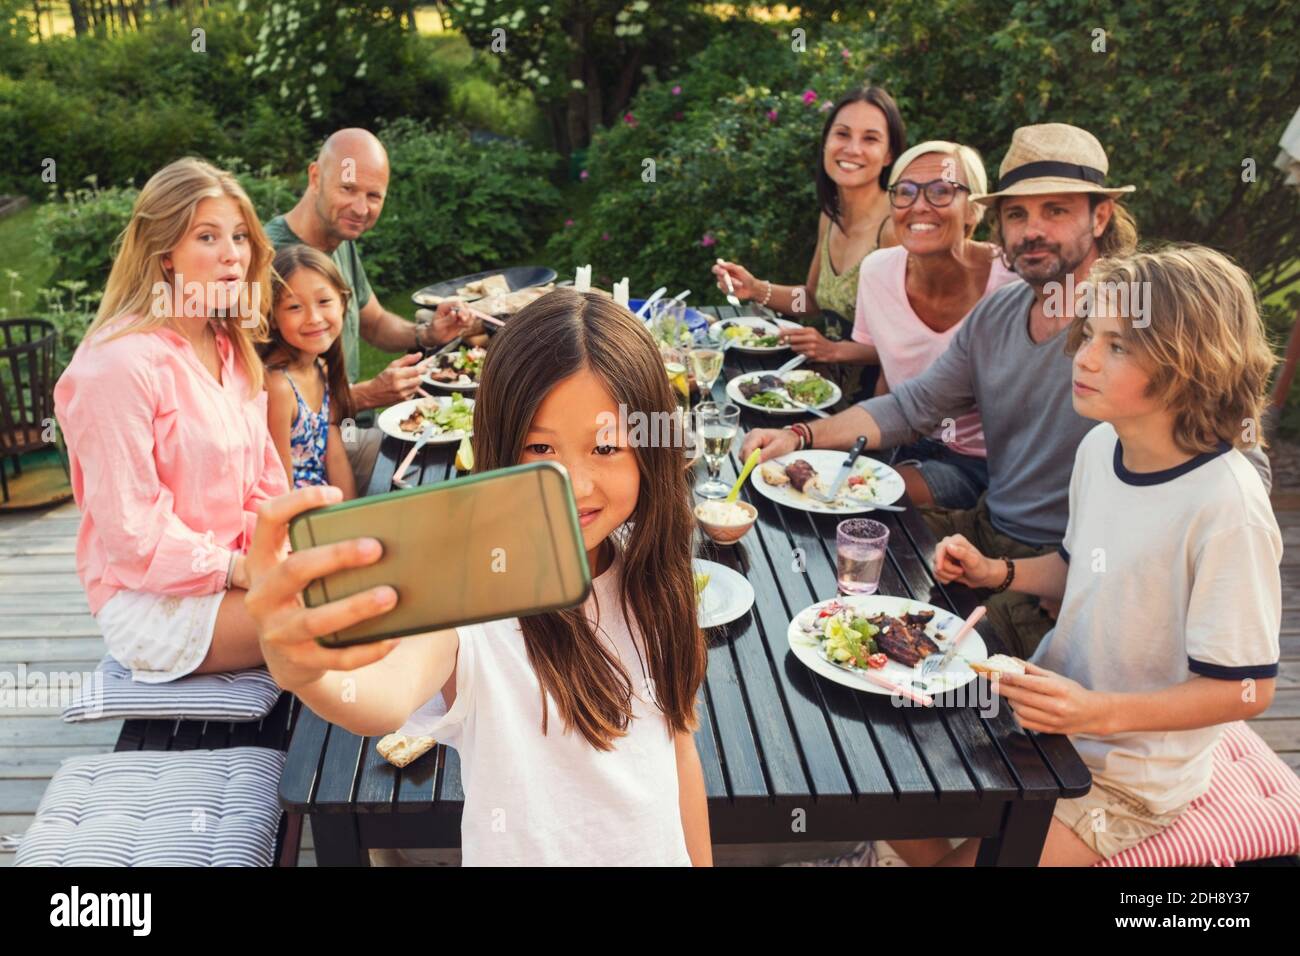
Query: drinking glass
<point>675,365</point>
<point>717,426</point>
<point>860,545</point>
<point>668,323</point>
<point>706,362</point>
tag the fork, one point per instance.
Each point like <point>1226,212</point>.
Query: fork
<point>937,662</point>
<point>421,439</point>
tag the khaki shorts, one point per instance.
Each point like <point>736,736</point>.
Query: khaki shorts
<point>362,452</point>
<point>1110,820</point>
<point>1019,621</point>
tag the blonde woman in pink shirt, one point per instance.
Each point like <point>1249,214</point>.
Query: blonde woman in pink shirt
<point>164,416</point>
<point>913,297</point>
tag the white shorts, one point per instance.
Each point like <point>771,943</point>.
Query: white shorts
<point>159,637</point>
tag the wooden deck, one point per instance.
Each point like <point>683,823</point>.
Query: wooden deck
<point>46,625</point>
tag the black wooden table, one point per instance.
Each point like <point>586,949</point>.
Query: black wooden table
<point>788,756</point>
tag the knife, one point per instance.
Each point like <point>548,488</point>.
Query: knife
<point>844,471</point>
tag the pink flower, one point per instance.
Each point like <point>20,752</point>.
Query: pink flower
<point>707,240</point>
<point>604,237</point>
<point>568,223</point>
<point>629,119</point>
<point>845,53</point>
<point>582,175</point>
<point>772,115</point>
<point>677,91</point>
<point>809,96</point>
<point>679,115</point>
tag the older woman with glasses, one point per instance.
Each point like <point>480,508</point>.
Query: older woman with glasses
<point>912,298</point>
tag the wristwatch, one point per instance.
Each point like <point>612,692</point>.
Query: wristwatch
<point>419,334</point>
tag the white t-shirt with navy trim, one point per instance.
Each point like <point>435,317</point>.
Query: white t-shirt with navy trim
<point>554,799</point>
<point>1172,574</point>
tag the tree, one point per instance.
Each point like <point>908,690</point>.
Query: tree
<point>581,59</point>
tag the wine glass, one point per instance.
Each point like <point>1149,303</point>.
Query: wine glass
<point>706,362</point>
<point>717,427</point>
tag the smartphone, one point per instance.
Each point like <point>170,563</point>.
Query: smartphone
<point>498,545</point>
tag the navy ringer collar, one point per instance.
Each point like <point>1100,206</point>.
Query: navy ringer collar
<point>1168,474</point>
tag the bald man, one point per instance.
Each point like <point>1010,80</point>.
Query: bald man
<point>346,186</point>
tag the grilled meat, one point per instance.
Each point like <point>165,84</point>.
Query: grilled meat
<point>800,473</point>
<point>763,383</point>
<point>904,639</point>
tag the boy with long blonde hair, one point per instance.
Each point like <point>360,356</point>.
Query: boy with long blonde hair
<point>1168,575</point>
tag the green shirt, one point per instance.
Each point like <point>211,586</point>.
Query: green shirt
<point>348,259</point>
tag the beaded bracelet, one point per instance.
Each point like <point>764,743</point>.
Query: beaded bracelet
<point>1011,573</point>
<point>767,298</point>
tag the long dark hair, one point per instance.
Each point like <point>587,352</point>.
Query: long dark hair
<point>828,194</point>
<point>555,337</point>
<point>276,352</point>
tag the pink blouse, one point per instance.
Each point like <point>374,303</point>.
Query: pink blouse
<point>907,346</point>
<point>168,465</point>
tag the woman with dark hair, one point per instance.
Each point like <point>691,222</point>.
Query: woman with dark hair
<point>863,135</point>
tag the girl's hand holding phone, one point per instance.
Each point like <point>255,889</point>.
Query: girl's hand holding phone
<point>956,559</point>
<point>286,628</point>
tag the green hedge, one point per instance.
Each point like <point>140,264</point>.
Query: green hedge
<point>1180,97</point>
<point>117,108</point>
<point>456,206</point>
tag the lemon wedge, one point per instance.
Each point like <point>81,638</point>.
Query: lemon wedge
<point>465,456</point>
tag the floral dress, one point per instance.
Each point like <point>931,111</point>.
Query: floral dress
<point>308,437</point>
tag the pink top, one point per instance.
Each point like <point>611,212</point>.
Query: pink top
<point>885,318</point>
<point>167,464</point>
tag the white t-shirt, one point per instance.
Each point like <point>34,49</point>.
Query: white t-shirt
<point>1173,574</point>
<point>555,800</point>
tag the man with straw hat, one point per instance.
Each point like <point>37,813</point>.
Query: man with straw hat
<point>1053,215</point>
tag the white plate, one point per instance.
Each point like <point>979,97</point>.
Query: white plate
<point>889,486</point>
<point>733,393</point>
<point>754,322</point>
<point>957,674</point>
<point>726,597</point>
<point>389,418</point>
<point>428,380</point>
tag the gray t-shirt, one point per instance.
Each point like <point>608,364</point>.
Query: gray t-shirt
<point>1021,389</point>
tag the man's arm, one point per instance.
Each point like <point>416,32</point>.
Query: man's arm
<point>388,331</point>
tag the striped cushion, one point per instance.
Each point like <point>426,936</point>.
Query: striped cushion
<point>159,808</point>
<point>1250,812</point>
<point>114,695</point>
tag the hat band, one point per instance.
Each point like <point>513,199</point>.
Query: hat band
<point>1052,168</point>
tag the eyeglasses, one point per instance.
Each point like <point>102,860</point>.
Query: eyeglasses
<point>938,192</point>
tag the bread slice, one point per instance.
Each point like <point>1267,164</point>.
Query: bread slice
<point>998,664</point>
<point>399,749</point>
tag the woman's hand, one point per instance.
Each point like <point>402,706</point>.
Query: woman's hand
<point>811,343</point>
<point>1049,703</point>
<point>745,284</point>
<point>956,559</point>
<point>286,628</point>
<point>775,442</point>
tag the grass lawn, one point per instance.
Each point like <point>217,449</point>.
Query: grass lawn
<point>20,254</point>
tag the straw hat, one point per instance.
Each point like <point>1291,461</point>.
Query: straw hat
<point>1053,158</point>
